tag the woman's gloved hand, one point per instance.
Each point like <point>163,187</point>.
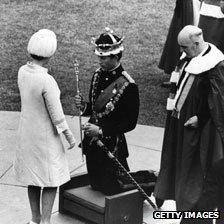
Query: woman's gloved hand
<point>70,138</point>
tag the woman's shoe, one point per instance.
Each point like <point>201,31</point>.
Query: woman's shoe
<point>31,222</point>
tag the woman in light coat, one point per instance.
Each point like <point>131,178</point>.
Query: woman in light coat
<point>40,157</point>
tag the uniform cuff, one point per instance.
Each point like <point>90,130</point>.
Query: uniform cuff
<point>100,133</point>
<point>84,110</point>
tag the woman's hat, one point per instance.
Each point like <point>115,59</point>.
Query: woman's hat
<point>42,43</point>
<point>108,43</point>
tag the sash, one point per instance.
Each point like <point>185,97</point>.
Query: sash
<point>187,83</point>
<point>111,91</point>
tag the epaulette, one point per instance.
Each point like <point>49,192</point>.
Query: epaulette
<point>97,70</point>
<point>128,77</point>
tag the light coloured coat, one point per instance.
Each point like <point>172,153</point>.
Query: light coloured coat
<point>40,156</point>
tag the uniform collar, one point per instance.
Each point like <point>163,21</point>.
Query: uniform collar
<point>114,71</point>
<point>117,70</point>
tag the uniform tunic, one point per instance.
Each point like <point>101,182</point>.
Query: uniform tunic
<point>40,155</point>
<point>188,152</point>
<point>120,119</point>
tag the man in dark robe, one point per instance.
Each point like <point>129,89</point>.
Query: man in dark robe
<point>213,195</point>
<point>113,108</point>
<point>211,22</point>
<point>194,132</point>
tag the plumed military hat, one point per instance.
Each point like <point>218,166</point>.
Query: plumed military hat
<point>108,43</point>
<point>42,43</point>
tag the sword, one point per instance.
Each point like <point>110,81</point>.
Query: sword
<point>117,162</point>
<point>76,66</point>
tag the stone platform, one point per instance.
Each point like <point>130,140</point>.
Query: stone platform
<point>144,147</point>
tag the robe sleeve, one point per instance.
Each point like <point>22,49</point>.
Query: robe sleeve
<point>201,102</point>
<point>51,95</point>
<point>211,196</point>
<point>216,97</point>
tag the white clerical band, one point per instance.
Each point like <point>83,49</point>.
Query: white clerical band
<point>211,10</point>
<point>170,104</point>
<point>174,77</point>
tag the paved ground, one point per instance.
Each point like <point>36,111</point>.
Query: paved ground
<point>144,146</point>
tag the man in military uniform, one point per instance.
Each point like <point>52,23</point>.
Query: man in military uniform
<point>113,108</point>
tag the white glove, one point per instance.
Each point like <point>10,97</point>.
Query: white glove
<point>70,138</point>
<point>79,102</point>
